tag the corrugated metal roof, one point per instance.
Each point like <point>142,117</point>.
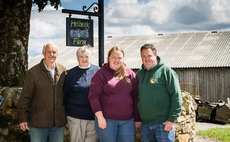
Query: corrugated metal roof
<point>177,50</point>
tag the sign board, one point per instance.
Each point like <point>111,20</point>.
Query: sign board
<point>79,32</point>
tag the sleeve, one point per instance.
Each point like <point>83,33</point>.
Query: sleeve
<point>95,91</point>
<point>135,97</point>
<point>173,88</point>
<point>25,98</point>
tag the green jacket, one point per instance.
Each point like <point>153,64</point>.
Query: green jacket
<point>159,94</point>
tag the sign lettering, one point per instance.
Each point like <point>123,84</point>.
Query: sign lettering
<point>79,32</point>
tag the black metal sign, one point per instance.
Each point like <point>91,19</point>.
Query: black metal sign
<point>98,11</point>
<point>79,32</point>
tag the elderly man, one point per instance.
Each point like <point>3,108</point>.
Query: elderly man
<point>42,97</point>
<point>159,97</point>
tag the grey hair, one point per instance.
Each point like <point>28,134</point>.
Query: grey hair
<point>84,49</point>
<point>47,44</point>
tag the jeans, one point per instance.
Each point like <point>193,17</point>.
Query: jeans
<point>54,134</point>
<point>116,130</point>
<point>156,133</point>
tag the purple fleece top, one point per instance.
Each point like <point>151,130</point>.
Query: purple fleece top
<point>115,98</point>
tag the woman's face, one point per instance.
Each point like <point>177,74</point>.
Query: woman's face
<point>84,59</point>
<point>116,59</point>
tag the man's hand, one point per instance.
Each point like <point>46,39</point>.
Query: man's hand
<point>168,125</point>
<point>23,126</point>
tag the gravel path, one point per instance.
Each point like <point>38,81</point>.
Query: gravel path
<point>201,126</point>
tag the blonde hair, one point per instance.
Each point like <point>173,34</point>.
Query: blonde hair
<point>121,72</point>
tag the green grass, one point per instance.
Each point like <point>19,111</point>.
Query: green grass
<point>222,134</point>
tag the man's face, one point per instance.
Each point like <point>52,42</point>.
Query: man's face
<point>50,54</point>
<point>148,58</point>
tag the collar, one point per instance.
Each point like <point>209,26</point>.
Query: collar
<point>52,70</point>
<point>84,67</point>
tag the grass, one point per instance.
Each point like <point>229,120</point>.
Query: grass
<point>222,134</point>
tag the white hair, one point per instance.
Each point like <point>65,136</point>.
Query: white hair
<point>47,44</point>
<point>84,49</point>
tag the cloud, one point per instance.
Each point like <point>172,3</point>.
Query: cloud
<point>166,16</point>
<point>202,15</point>
<point>44,31</point>
<point>123,12</point>
<point>48,25</point>
<point>189,15</point>
<point>134,17</point>
<point>220,11</point>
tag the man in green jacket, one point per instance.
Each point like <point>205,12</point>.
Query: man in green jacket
<point>42,97</point>
<point>159,97</point>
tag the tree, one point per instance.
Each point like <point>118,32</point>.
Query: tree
<point>14,35</point>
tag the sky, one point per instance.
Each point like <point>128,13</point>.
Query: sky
<point>131,18</point>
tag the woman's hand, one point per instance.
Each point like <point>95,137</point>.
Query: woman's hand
<point>101,120</point>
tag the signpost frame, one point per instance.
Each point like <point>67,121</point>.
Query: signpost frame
<point>98,11</point>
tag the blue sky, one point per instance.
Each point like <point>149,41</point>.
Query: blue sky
<point>132,17</point>
<point>78,4</point>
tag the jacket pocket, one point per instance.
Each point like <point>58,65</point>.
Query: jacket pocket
<point>39,117</point>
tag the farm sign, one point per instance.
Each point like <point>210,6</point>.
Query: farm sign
<point>79,32</point>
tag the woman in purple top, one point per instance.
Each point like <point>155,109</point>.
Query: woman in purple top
<point>113,98</point>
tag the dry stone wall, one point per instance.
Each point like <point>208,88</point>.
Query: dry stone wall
<point>10,131</point>
<point>185,125</point>
<point>9,128</point>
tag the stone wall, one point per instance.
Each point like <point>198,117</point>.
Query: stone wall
<point>9,128</point>
<point>185,127</point>
<point>10,131</point>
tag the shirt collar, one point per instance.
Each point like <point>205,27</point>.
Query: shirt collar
<point>84,67</point>
<point>49,68</point>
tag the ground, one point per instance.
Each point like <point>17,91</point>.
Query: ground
<point>200,126</point>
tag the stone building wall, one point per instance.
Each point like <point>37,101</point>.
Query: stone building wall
<point>10,131</point>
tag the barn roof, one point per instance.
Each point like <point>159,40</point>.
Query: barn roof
<point>177,50</point>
